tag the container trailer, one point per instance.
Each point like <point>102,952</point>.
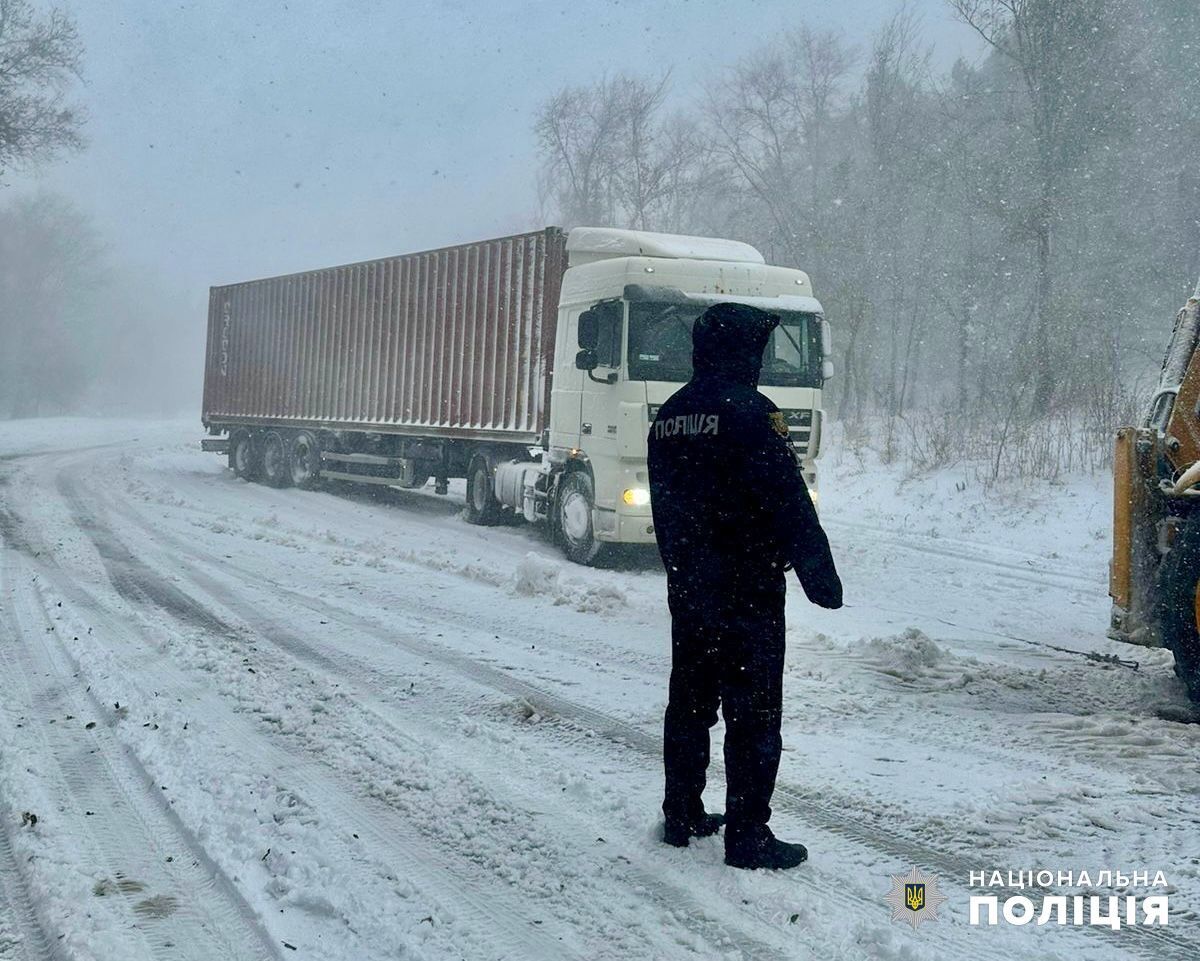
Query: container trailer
<point>530,365</point>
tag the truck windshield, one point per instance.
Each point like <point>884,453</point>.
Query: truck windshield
<point>660,345</point>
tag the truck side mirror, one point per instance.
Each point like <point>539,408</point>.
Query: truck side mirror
<point>587,360</point>
<point>826,369</point>
<point>589,332</point>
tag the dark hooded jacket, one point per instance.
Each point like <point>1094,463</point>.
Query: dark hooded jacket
<point>731,509</point>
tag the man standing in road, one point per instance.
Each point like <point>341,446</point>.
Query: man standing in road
<point>731,514</point>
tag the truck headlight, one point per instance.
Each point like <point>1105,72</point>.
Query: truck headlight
<point>636,496</point>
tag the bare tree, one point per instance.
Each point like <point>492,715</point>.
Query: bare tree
<point>897,134</point>
<point>49,271</point>
<point>577,132</point>
<point>1063,50</point>
<point>1014,232</point>
<point>968,138</point>
<point>609,158</point>
<point>39,57</point>
<point>771,120</point>
<point>603,152</point>
<point>759,137</point>
<point>691,178</point>
<point>640,165</point>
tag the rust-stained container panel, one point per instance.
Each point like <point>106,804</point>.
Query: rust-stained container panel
<point>457,342</point>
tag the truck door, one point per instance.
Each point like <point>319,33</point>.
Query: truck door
<point>567,384</point>
<point>600,410</point>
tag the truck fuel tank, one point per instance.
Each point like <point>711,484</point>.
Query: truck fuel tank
<point>517,487</point>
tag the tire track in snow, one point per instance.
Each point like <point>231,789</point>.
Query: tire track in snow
<point>619,732</point>
<point>362,815</point>
<point>806,806</point>
<point>72,451</point>
<point>10,532</point>
<point>178,904</point>
<point>809,807</point>
<point>141,586</point>
<point>1022,571</point>
<point>22,937</point>
<point>459,883</point>
<point>667,897</point>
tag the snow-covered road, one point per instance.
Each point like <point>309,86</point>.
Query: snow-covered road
<point>258,724</point>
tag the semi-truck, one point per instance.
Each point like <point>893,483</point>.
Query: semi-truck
<point>531,365</point>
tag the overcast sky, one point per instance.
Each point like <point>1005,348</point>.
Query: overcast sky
<point>231,139</point>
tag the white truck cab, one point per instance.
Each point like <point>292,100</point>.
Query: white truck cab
<point>638,294</point>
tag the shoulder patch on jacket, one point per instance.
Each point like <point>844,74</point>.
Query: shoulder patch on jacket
<point>779,422</point>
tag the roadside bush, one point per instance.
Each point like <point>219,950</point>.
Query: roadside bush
<point>1003,445</point>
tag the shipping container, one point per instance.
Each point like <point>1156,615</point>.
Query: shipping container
<point>454,343</point>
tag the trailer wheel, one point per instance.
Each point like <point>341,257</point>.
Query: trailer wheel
<point>1179,604</point>
<point>304,461</point>
<point>576,536</point>
<point>244,458</point>
<point>482,507</point>
<point>275,470</point>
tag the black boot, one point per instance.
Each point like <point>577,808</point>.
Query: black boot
<point>677,832</point>
<point>759,848</point>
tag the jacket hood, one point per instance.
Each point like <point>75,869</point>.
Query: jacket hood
<point>728,341</point>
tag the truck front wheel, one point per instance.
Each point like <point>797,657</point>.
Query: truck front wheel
<point>244,458</point>
<point>275,468</point>
<point>482,507</point>
<point>1179,605</point>
<point>576,535</point>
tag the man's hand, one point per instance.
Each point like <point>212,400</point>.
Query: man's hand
<point>821,585</point>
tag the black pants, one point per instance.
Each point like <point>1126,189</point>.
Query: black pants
<point>727,650</point>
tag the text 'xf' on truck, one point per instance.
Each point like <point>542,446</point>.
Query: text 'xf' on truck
<point>531,365</point>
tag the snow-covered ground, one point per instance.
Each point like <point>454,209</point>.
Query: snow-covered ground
<point>260,723</point>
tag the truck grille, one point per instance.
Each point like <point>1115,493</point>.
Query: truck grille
<point>800,424</point>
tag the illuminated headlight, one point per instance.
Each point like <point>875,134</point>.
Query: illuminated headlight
<point>636,496</point>
<point>816,498</point>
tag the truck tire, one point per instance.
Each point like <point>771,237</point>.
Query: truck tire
<point>573,521</point>
<point>1178,582</point>
<point>244,456</point>
<point>275,468</point>
<point>482,507</point>
<point>304,461</point>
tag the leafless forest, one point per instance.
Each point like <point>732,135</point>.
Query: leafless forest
<point>1001,246</point>
<point>998,246</point>
<point>79,334</point>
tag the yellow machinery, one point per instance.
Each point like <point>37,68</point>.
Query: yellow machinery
<point>1155,571</point>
